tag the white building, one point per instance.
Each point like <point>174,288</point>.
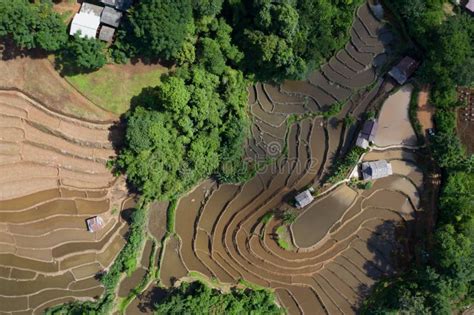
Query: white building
<point>86,22</point>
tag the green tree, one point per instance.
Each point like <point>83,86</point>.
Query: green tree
<point>81,55</point>
<point>197,298</point>
<point>158,29</point>
<point>207,7</point>
<point>448,150</point>
<point>32,25</point>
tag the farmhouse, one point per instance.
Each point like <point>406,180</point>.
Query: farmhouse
<point>303,199</point>
<point>367,134</point>
<point>404,69</point>
<point>376,169</point>
<point>86,22</point>
<point>94,224</point>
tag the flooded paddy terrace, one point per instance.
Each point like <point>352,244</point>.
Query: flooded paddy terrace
<point>343,242</point>
<point>53,178</point>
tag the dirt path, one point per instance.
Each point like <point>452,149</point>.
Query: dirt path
<point>425,110</point>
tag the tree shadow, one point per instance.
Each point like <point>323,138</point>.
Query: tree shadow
<point>9,51</point>
<point>392,248</point>
<point>149,298</point>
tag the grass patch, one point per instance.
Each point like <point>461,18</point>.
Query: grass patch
<point>253,286</point>
<point>170,216</point>
<point>283,238</point>
<point>113,86</point>
<point>412,113</point>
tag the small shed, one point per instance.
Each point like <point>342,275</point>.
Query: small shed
<point>367,134</point>
<point>111,17</point>
<point>470,6</point>
<point>122,5</point>
<point>404,69</point>
<point>94,224</point>
<point>106,33</point>
<point>303,199</point>
<point>376,169</point>
<point>87,21</point>
<point>90,8</point>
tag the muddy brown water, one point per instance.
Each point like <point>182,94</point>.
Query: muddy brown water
<point>172,265</point>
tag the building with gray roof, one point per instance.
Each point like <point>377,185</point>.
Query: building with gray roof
<point>121,5</point>
<point>376,169</point>
<point>367,134</point>
<point>106,33</point>
<point>404,69</point>
<point>111,17</point>
<point>303,199</point>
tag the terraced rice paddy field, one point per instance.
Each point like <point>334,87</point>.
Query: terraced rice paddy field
<point>53,178</point>
<point>344,241</point>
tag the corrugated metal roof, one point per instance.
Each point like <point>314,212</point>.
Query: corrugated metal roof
<point>376,169</point>
<point>470,5</point>
<point>85,23</point>
<point>111,17</point>
<point>303,199</point>
<point>106,33</point>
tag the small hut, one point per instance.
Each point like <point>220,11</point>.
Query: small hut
<point>404,69</point>
<point>303,199</point>
<point>376,169</point>
<point>94,224</point>
<point>106,33</point>
<point>367,134</point>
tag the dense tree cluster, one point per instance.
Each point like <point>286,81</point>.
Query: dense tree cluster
<point>193,125</point>
<point>197,298</point>
<point>32,26</point>
<point>158,28</point>
<point>443,277</point>
<point>36,25</point>
<point>278,39</point>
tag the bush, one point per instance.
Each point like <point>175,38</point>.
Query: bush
<point>342,166</point>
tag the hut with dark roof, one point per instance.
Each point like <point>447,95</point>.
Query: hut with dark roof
<point>110,17</point>
<point>367,134</point>
<point>404,69</point>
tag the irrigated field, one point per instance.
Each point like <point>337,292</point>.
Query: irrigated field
<point>343,242</point>
<point>53,179</point>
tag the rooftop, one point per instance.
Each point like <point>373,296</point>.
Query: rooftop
<point>90,8</point>
<point>404,69</point>
<point>111,17</point>
<point>303,199</point>
<point>470,5</point>
<point>106,33</point>
<point>86,24</point>
<point>94,224</point>
<point>376,169</point>
<point>367,134</point>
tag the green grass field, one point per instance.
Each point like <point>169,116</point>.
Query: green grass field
<point>113,86</point>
